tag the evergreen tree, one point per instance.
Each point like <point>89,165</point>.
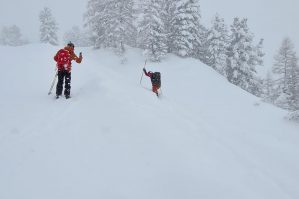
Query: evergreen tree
<point>186,28</point>
<point>167,15</point>
<point>242,57</point>
<point>125,31</point>
<point>11,36</point>
<point>216,44</point>
<point>96,22</point>
<point>152,31</point>
<point>268,88</point>
<point>287,76</point>
<point>112,23</point>
<point>201,49</point>
<point>78,37</point>
<point>48,27</point>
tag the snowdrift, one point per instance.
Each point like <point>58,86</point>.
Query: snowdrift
<point>204,138</point>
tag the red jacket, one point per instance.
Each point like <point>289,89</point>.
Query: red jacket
<point>64,58</point>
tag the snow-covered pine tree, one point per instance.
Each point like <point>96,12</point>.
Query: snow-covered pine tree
<point>216,44</point>
<point>167,15</point>
<point>95,21</point>
<point>242,57</point>
<point>124,30</point>
<point>293,85</point>
<point>48,27</point>
<point>152,31</point>
<point>256,59</point>
<point>186,27</point>
<point>73,35</point>
<point>286,73</point>
<point>112,22</point>
<point>201,48</point>
<point>11,36</point>
<point>268,88</point>
<point>78,37</point>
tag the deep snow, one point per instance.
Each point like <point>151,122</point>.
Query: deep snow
<point>205,138</point>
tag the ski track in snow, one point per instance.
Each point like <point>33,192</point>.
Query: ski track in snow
<point>204,138</point>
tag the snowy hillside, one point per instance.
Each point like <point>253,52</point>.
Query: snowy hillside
<point>205,138</point>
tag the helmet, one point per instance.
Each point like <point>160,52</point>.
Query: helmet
<point>70,44</point>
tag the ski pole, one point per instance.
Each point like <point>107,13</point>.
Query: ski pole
<point>142,72</point>
<point>141,77</point>
<point>53,82</point>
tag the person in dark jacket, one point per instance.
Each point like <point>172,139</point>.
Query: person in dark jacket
<point>155,79</point>
<point>64,58</point>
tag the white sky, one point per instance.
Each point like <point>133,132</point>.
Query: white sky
<point>25,13</point>
<point>269,19</point>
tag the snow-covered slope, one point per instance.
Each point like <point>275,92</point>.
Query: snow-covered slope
<point>205,138</point>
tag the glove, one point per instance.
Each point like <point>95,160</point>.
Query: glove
<point>80,57</point>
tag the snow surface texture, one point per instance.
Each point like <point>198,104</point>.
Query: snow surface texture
<point>205,138</point>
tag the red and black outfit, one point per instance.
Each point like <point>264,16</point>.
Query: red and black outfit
<point>155,84</point>
<point>64,58</point>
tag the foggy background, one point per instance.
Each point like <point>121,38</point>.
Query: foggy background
<point>268,19</point>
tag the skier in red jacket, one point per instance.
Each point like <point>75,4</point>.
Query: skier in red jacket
<point>155,79</point>
<point>64,58</point>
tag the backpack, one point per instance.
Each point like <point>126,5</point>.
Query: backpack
<point>63,59</point>
<point>156,78</point>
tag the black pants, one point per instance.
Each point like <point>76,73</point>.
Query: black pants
<point>67,87</point>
